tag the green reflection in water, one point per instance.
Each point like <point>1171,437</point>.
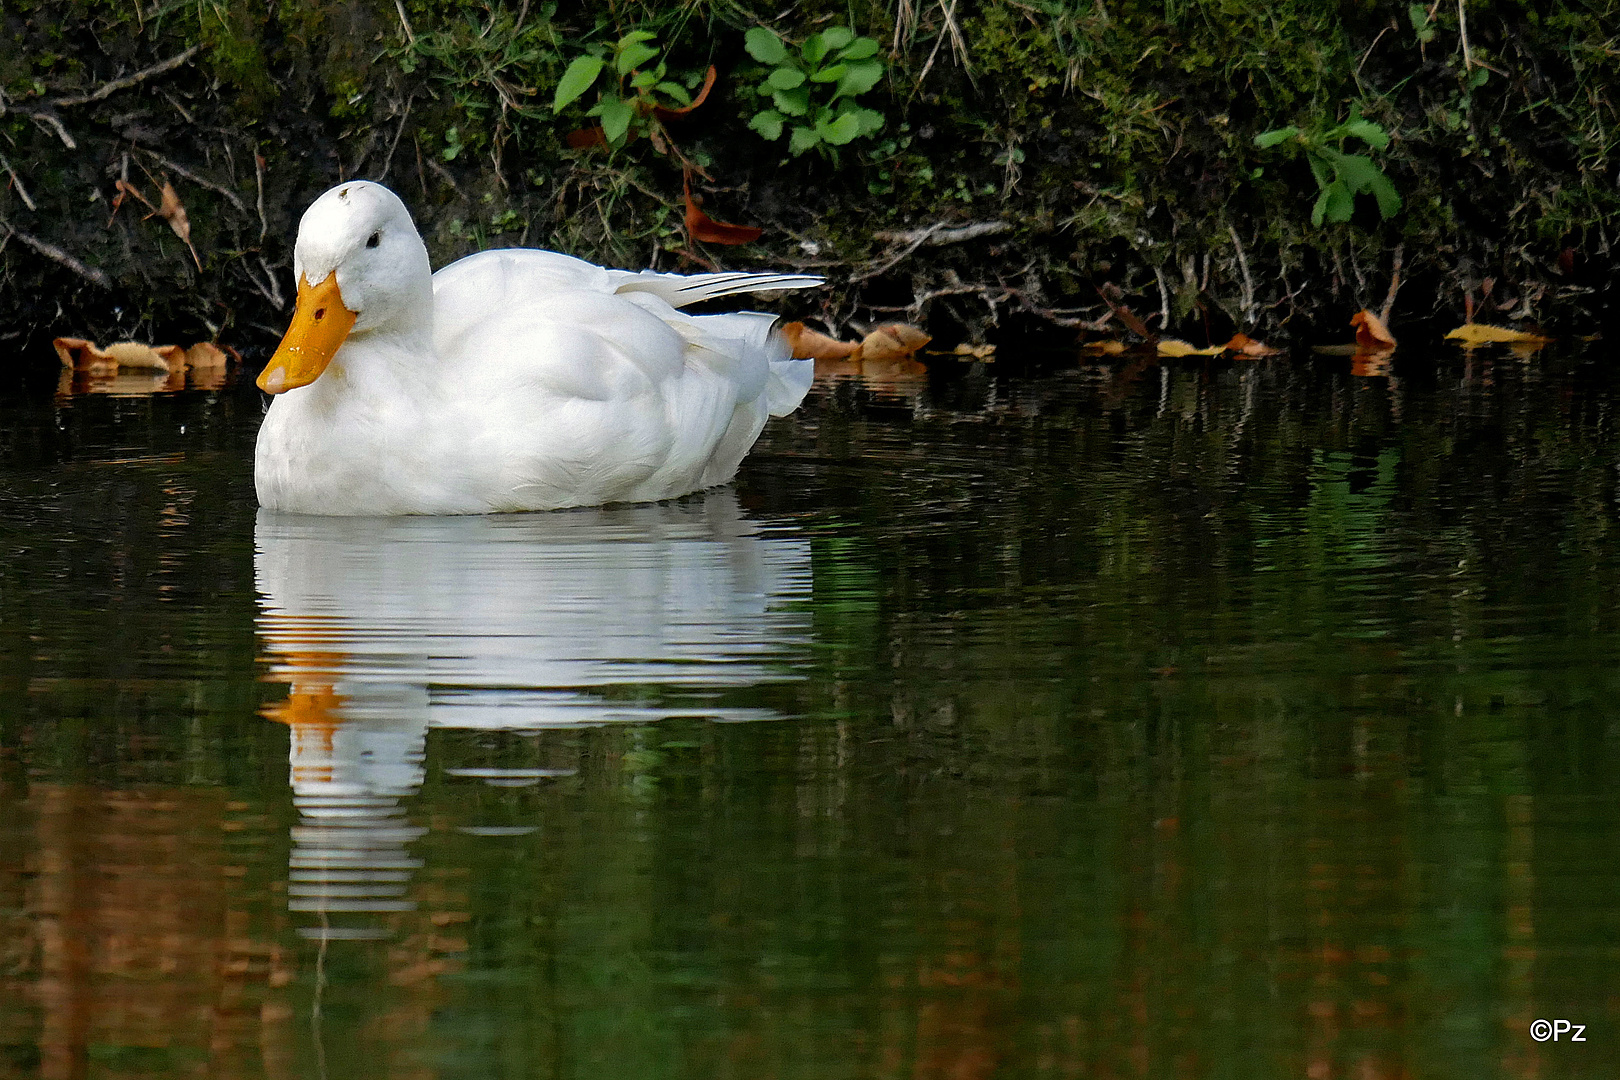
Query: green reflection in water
<point>1237,722</point>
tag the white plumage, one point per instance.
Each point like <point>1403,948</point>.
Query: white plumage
<point>511,380</point>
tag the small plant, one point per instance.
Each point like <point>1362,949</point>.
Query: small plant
<point>629,102</point>
<point>1340,176</point>
<point>813,89</point>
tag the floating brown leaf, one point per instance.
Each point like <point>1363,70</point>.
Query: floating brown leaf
<point>1371,333</point>
<point>986,353</point>
<point>79,353</point>
<point>1473,335</point>
<point>1244,345</point>
<point>700,226</point>
<point>808,344</point>
<point>892,341</point>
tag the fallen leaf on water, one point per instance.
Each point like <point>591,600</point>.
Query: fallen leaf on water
<point>1473,335</point>
<point>1174,347</point>
<point>205,354</point>
<point>977,352</point>
<point>1105,348</point>
<point>79,353</point>
<point>1370,365</point>
<point>808,344</point>
<point>1371,333</point>
<point>700,226</point>
<point>892,341</point>
<point>1245,345</point>
<point>1337,350</point>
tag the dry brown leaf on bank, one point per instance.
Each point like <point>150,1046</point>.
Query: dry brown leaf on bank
<point>125,188</point>
<point>1473,335</point>
<point>1371,333</point>
<point>79,353</point>
<point>808,344</point>
<point>1244,345</point>
<point>892,341</point>
<point>708,84</point>
<point>1175,347</point>
<point>700,226</point>
<point>174,212</point>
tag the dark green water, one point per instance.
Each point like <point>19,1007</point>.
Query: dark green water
<point>1118,721</point>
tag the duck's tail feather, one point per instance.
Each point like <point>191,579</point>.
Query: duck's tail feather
<point>679,290</point>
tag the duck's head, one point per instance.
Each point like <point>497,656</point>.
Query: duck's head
<point>360,266</point>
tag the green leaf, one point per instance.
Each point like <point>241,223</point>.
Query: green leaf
<point>633,56</point>
<point>793,102</point>
<point>1389,200</point>
<point>1319,168</point>
<point>1320,208</point>
<point>637,35</point>
<point>674,91</point>
<point>1369,133</point>
<point>1419,16</point>
<point>576,80</point>
<point>764,46</point>
<point>768,124</point>
<point>616,114</point>
<point>803,139</point>
<point>858,78</point>
<point>836,37</point>
<point>1268,139</point>
<point>1340,202</point>
<point>813,49</point>
<point>1477,79</point>
<point>644,79</point>
<point>1352,169</point>
<point>861,49</point>
<point>829,74</point>
<point>841,130</point>
<point>871,122</point>
<point>785,78</point>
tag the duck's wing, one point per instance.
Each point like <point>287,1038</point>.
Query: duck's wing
<point>679,290</point>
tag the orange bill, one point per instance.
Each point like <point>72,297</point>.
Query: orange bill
<point>320,323</point>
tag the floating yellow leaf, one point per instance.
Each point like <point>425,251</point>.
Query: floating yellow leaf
<point>1174,347</point>
<point>892,341</point>
<point>808,344</point>
<point>976,352</point>
<point>1473,335</point>
<point>1244,345</point>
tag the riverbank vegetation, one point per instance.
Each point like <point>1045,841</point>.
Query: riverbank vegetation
<point>980,167</point>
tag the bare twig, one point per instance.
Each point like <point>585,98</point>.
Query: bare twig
<point>937,235</point>
<point>258,178</point>
<point>921,238</point>
<point>1394,285</point>
<point>108,89</point>
<point>230,196</point>
<point>1164,301</point>
<point>410,35</point>
<point>57,255</point>
<point>17,182</point>
<point>389,161</point>
<point>1462,29</point>
<point>1247,304</point>
<point>44,120</point>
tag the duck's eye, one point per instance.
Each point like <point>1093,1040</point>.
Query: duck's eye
<point>376,238</point>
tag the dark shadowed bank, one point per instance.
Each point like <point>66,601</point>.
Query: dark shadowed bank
<point>1031,156</point>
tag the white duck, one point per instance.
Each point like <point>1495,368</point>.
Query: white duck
<point>511,380</point>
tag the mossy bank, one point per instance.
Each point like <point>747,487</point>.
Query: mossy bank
<point>1031,157</point>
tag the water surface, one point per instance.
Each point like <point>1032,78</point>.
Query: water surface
<point>1057,719</point>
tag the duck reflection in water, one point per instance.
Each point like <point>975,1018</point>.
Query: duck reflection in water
<point>386,628</point>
